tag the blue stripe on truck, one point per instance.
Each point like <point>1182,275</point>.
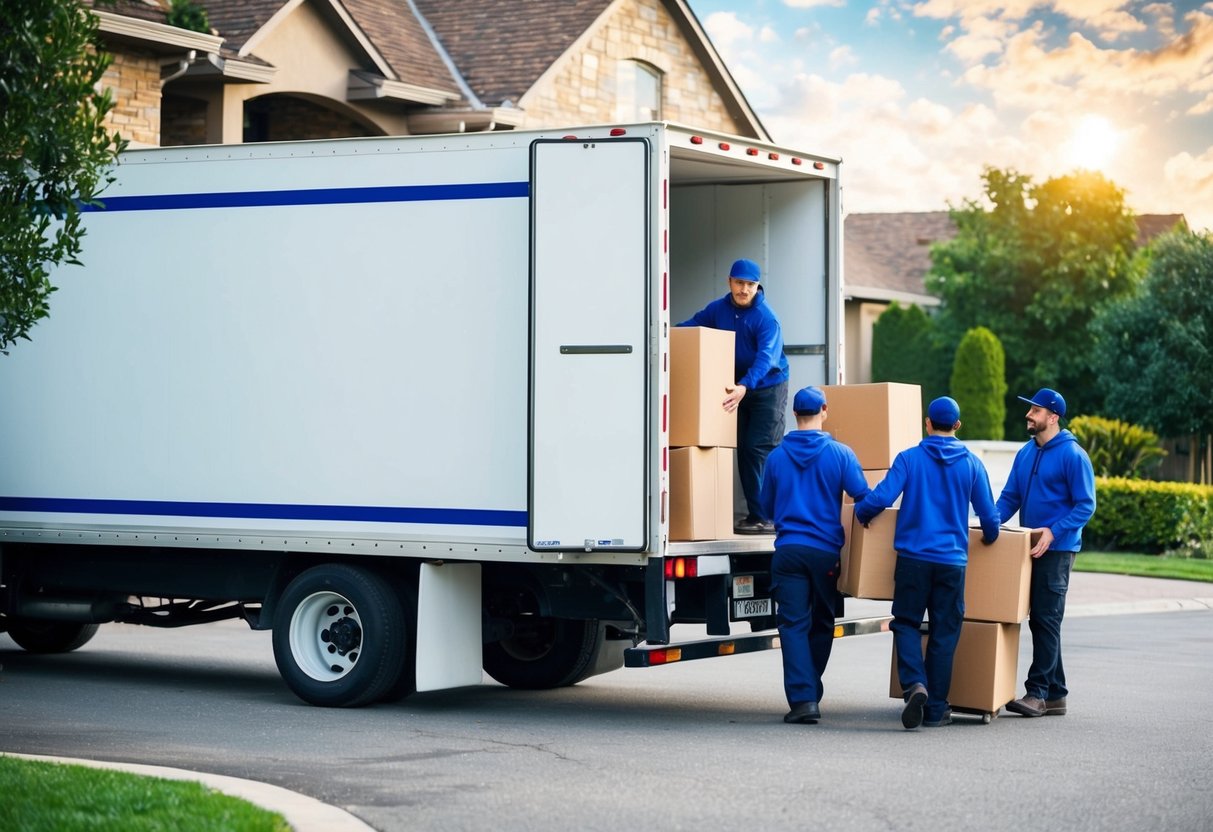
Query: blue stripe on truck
<point>269,511</point>
<point>311,196</point>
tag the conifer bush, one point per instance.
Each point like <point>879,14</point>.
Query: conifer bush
<point>979,384</point>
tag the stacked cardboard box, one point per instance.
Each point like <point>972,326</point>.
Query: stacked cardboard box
<point>702,434</point>
<point>997,581</point>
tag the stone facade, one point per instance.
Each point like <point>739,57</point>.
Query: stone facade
<point>581,87</point>
<point>134,80</point>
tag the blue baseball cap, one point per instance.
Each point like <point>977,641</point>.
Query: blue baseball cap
<point>809,401</point>
<point>744,269</point>
<point>944,411</point>
<point>1048,399</point>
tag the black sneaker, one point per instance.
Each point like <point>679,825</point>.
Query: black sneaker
<point>916,700</point>
<point>754,525</point>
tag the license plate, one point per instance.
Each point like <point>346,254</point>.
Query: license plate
<point>751,607</point>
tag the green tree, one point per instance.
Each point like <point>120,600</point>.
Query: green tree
<point>979,385</point>
<point>54,149</point>
<point>1154,351</point>
<point>904,349</point>
<point>1033,263</point>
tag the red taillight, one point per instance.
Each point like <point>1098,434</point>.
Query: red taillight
<point>819,165</point>
<point>751,151</point>
<point>670,654</point>
<point>796,161</point>
<point>676,568</point>
<point>618,131</point>
<point>723,145</point>
<point>696,139</point>
<point>773,156</point>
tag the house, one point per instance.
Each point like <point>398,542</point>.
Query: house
<point>306,69</point>
<point>887,259</point>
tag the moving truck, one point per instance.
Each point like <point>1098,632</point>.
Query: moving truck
<point>403,401</point>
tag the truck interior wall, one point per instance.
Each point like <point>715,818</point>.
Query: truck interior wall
<point>781,225</point>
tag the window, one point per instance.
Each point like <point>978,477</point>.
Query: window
<point>638,92</point>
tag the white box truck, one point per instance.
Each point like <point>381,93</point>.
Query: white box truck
<point>404,401</point>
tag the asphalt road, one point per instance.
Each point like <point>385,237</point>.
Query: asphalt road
<point>699,746</point>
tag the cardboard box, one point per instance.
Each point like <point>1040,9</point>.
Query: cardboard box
<point>701,367</point>
<point>869,559</point>
<point>701,493</point>
<point>983,669</point>
<point>873,478</point>
<point>998,577</point>
<point>877,421</point>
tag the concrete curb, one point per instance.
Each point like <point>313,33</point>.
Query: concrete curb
<point>303,813</point>
<point>1150,605</point>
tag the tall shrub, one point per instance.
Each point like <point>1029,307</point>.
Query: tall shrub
<point>903,350</point>
<point>979,384</point>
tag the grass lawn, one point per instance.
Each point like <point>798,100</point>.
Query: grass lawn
<point>1146,566</point>
<point>41,796</point>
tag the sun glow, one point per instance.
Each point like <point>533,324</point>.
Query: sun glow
<point>1093,143</point>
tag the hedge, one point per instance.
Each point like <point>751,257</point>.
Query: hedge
<point>1151,517</point>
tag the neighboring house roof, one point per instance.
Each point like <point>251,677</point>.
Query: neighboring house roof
<point>887,256</point>
<point>502,47</point>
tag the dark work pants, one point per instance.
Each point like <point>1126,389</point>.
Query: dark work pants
<point>1050,581</point>
<point>805,586</point>
<point>939,590</point>
<point>759,429</point>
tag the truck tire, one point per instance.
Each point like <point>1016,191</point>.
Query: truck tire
<point>544,653</point>
<point>339,636</point>
<point>50,636</point>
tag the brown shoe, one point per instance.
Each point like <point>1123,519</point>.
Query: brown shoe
<point>1055,707</point>
<point>1027,706</point>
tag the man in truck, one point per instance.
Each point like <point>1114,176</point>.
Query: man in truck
<point>802,489</point>
<point>760,370</point>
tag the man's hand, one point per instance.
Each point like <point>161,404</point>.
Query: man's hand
<point>1046,540</point>
<point>733,397</point>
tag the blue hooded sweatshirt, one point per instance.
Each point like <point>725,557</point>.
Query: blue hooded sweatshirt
<point>758,359</point>
<point>1053,486</point>
<point>939,479</point>
<point>802,487</point>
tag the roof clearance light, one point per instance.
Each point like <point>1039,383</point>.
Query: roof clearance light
<point>724,146</point>
<point>618,131</point>
<point>696,139</point>
<point>819,165</point>
<point>751,151</point>
<point>569,138</point>
<point>796,161</point>
<point>773,156</point>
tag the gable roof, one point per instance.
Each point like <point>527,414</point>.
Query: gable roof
<point>502,47</point>
<point>887,256</point>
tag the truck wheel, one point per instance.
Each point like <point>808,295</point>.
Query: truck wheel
<point>339,636</point>
<point>50,636</point>
<point>544,653</point>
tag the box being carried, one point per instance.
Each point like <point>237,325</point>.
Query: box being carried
<point>999,576</point>
<point>701,367</point>
<point>877,421</point>
<point>701,493</point>
<point>983,668</point>
<point>868,560</point>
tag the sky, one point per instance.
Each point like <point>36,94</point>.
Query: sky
<point>919,97</point>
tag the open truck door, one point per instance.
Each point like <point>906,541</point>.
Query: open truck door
<point>588,461</point>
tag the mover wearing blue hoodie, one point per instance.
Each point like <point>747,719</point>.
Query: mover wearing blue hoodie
<point>938,480</point>
<point>1052,486</point>
<point>802,489</point>
<point>760,370</point>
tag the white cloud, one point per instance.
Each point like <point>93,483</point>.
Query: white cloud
<point>1193,175</point>
<point>767,34</point>
<point>725,29</point>
<point>1203,107</point>
<point>841,57</point>
<point>810,4</point>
